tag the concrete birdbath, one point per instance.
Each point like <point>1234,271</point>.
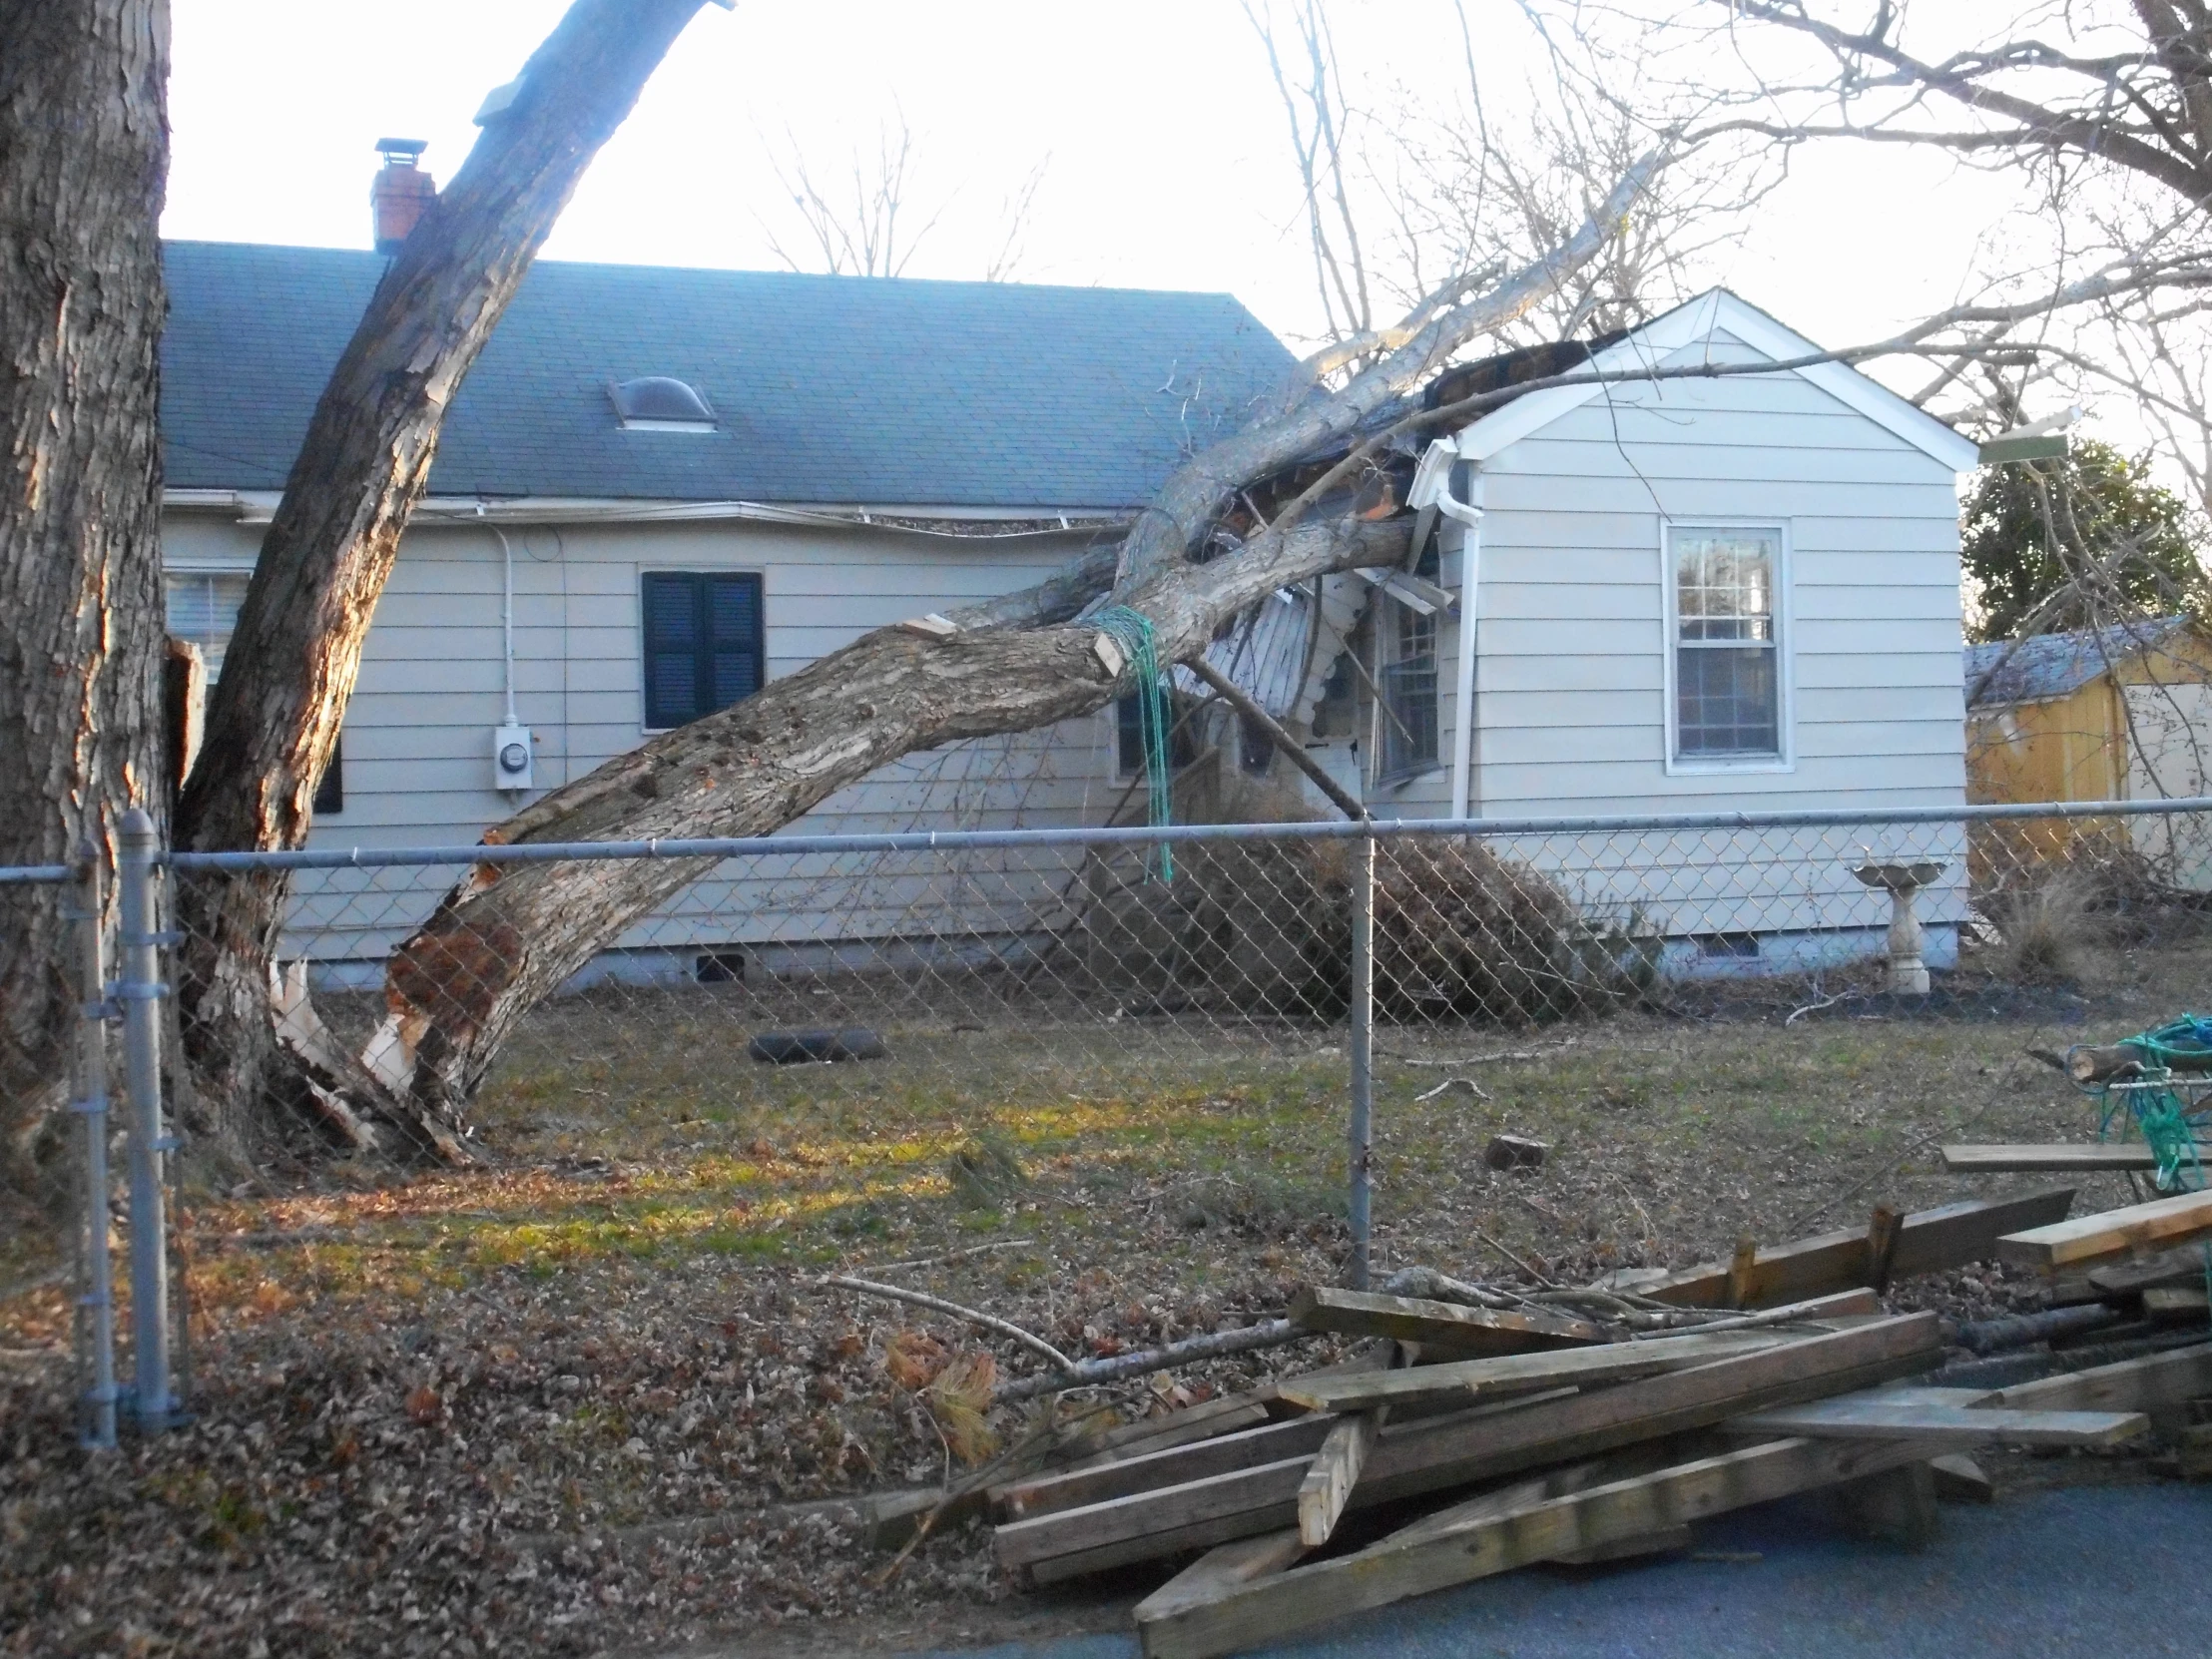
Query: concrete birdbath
<point>1908,974</point>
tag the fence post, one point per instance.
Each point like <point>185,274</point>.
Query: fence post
<point>1363,1049</point>
<point>96,1298</point>
<point>137,989</point>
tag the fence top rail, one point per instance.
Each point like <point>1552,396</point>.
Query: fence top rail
<point>19,875</point>
<point>926,840</point>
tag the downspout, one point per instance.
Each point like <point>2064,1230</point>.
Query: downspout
<point>1470,517</point>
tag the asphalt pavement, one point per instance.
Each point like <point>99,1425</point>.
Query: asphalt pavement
<point>2083,1572</point>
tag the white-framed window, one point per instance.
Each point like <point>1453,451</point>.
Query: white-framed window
<point>1408,682</point>
<point>203,608</point>
<point>1727,703</point>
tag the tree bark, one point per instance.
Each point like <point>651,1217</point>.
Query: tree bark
<point>275,714</point>
<point>504,938</point>
<point>83,150</point>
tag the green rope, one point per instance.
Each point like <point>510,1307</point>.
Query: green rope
<point>2157,1112</point>
<point>1132,631</point>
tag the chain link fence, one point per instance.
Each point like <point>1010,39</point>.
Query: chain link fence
<point>1007,969</point>
<point>1046,974</point>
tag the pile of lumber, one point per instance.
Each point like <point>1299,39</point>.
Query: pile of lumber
<point>2144,1263</point>
<point>1488,1429</point>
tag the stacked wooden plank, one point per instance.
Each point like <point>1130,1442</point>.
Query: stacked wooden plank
<point>2146,1262</point>
<point>1534,1432</point>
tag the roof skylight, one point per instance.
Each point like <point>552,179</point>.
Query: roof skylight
<point>661,403</point>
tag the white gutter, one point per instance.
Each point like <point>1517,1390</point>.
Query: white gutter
<point>259,507</point>
<point>1470,517</point>
<point>1432,488</point>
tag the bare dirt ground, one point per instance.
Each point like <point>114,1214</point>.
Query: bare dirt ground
<point>589,1397</point>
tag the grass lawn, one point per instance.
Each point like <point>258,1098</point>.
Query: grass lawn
<point>583,1395</point>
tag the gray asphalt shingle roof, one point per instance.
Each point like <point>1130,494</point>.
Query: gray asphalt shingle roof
<point>828,388</point>
<point>2054,665</point>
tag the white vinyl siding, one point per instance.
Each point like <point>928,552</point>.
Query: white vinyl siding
<point>429,691</point>
<point>1572,694</point>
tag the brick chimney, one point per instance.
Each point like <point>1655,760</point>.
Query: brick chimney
<point>400,191</point>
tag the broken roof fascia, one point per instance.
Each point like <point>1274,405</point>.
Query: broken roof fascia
<point>1719,311</point>
<point>259,506</point>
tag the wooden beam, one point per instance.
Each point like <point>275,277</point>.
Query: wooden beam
<point>2144,1384</point>
<point>1293,751</point>
<point>1327,1488</point>
<point>1437,1453</point>
<point>1444,1324</point>
<point>2039,1160</point>
<point>2163,1222</point>
<point>1884,1229</point>
<point>1390,1571</point>
<point>1149,1470</point>
<point>1929,1241</point>
<point>1516,1373</point>
<point>1220,1570</point>
<point>1957,1419</point>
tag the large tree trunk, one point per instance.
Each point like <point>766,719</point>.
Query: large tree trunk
<point>506,936</point>
<point>84,148</point>
<point>276,712</point>
<point>509,936</point>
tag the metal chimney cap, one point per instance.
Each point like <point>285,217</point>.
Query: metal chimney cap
<point>401,151</point>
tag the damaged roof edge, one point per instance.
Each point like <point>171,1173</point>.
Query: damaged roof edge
<point>1719,311</point>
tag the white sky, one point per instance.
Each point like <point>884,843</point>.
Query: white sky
<point>1168,163</point>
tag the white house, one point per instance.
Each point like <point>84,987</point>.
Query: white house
<point>1698,594</point>
<point>660,488</point>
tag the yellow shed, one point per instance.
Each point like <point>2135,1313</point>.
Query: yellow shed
<point>2111,714</point>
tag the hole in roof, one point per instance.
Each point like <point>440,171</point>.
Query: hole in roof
<point>661,403</point>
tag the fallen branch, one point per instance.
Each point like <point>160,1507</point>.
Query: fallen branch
<point>937,1305</point>
<point>1451,1083</point>
<point>952,1255</point>
<point>1483,1059</point>
<point>1267,1334</point>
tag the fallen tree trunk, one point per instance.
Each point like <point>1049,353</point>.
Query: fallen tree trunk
<point>506,937</point>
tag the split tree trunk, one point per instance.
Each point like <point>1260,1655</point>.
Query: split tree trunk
<point>1177,520</point>
<point>84,148</point>
<point>274,716</point>
<point>507,938</point>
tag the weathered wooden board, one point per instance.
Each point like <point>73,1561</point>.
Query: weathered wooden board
<point>2163,1222</point>
<point>1220,1570</point>
<point>2048,1160</point>
<point>1444,1325</point>
<point>1252,1615</point>
<point>1170,1467</point>
<point>1329,1481</point>
<point>1952,1416</point>
<point>1927,1241</point>
<point>1518,1373</point>
<point>1225,1415</point>
<point>1437,1454</point>
<point>2145,1384</point>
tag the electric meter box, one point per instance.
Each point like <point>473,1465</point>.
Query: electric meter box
<point>510,758</point>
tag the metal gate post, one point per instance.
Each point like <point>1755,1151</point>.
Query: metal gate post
<point>137,989</point>
<point>96,1297</point>
<point>1363,1049</point>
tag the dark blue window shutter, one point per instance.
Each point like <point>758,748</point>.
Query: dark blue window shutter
<point>704,646</point>
<point>734,644</point>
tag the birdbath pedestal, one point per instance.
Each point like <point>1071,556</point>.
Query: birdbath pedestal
<point>1908,974</point>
